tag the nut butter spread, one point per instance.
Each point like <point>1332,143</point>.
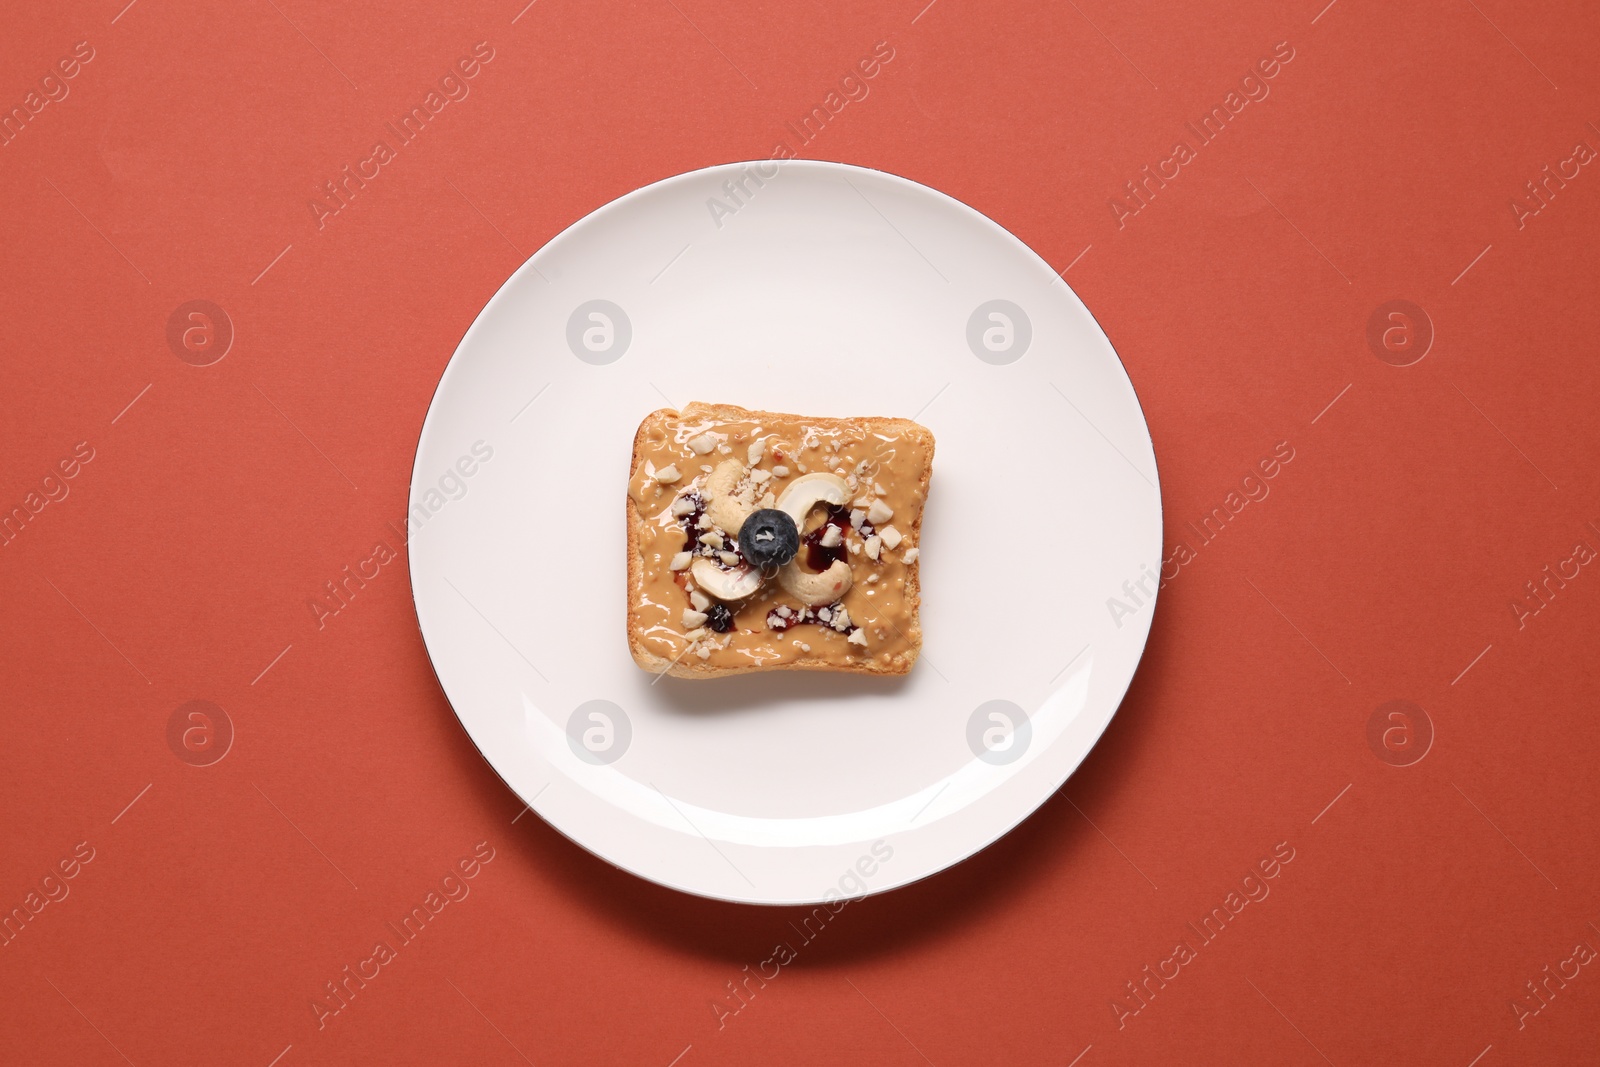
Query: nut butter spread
<point>846,599</point>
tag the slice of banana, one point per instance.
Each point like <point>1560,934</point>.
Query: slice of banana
<point>726,585</point>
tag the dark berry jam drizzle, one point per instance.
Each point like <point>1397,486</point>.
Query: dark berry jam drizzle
<point>691,522</point>
<point>784,618</point>
<point>818,556</point>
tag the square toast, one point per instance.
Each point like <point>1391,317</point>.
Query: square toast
<point>828,576</point>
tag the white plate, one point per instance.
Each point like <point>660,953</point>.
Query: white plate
<point>822,289</point>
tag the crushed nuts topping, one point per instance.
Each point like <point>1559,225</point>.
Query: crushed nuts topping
<point>833,616</point>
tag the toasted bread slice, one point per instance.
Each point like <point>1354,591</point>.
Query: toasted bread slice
<point>849,601</point>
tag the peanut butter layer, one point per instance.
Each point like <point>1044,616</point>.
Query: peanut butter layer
<point>885,465</point>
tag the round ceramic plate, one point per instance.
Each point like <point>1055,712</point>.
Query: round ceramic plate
<point>818,289</point>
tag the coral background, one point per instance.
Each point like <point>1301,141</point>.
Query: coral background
<point>1385,165</point>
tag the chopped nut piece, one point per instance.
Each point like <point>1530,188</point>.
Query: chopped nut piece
<point>909,556</point>
<point>725,450</point>
<point>855,548</point>
<point>668,474</point>
<point>891,537</point>
<point>859,638</point>
<point>700,601</point>
<point>681,561</point>
<point>857,517</point>
<point>879,513</point>
<point>693,619</point>
<point>682,506</point>
<point>704,652</point>
<point>730,559</point>
<point>760,476</point>
<point>831,537</point>
<point>769,501</point>
<point>711,539</point>
<point>780,471</point>
<point>872,577</point>
<point>874,546</point>
<point>695,634</point>
<point>803,646</point>
<point>758,448</point>
<point>702,444</point>
<point>879,489</point>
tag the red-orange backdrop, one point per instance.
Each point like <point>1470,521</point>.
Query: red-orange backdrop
<point>177,511</point>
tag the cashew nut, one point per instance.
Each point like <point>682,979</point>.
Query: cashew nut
<point>799,497</point>
<point>814,590</point>
<point>809,490</point>
<point>729,585</point>
<point>725,507</point>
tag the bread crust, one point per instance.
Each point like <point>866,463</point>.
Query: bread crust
<point>690,667</point>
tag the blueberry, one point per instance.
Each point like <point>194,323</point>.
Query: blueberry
<point>769,538</point>
<point>719,618</point>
